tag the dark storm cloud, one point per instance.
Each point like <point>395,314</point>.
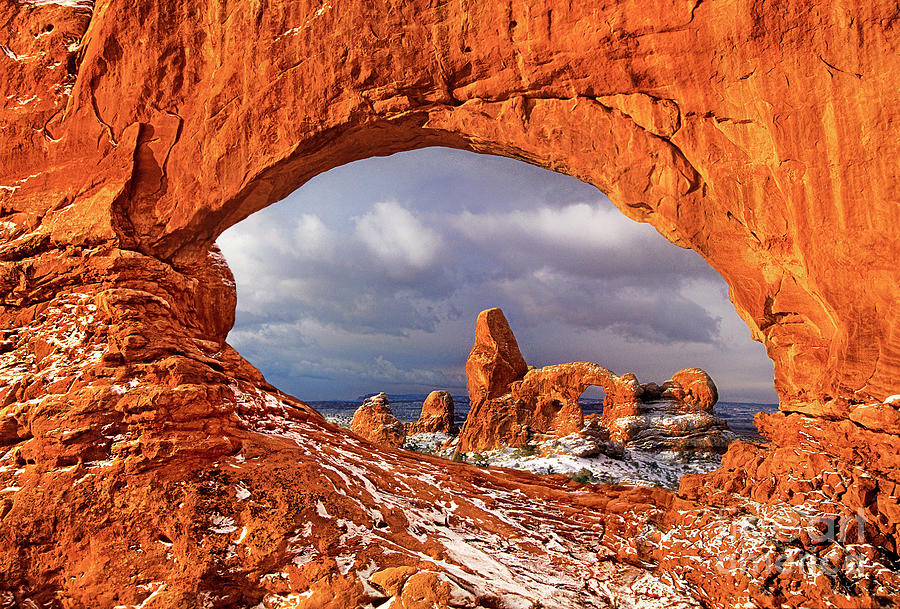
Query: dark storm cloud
<point>368,275</point>
<point>389,271</point>
<point>371,275</point>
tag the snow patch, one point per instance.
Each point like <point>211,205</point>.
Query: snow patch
<point>242,536</point>
<point>637,467</point>
<point>222,524</point>
<point>159,587</point>
<point>70,3</point>
<point>292,600</point>
<point>296,30</point>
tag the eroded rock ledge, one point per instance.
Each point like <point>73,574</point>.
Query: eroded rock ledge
<point>142,457</point>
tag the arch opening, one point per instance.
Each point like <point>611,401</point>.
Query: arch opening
<point>591,400</point>
<point>374,287</point>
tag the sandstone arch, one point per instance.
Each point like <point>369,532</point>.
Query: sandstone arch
<point>135,132</point>
<point>545,400</point>
<point>666,146</point>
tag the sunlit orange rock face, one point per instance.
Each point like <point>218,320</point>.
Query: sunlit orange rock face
<point>375,422</point>
<point>542,403</point>
<point>695,389</point>
<point>509,403</point>
<point>142,456</point>
<point>495,360</point>
<point>437,415</point>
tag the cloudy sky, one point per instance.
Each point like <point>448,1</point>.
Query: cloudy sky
<point>369,278</point>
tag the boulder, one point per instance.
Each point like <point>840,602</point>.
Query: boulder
<point>375,422</point>
<point>698,392</point>
<point>650,391</point>
<point>670,390</point>
<point>436,417</point>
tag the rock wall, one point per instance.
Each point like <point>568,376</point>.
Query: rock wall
<point>543,403</point>
<point>139,100</point>
<point>495,360</point>
<point>133,133</point>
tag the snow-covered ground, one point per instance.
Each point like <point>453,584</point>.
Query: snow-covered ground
<point>341,420</point>
<point>637,467</point>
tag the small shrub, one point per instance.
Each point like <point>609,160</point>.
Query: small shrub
<point>685,455</point>
<point>459,457</point>
<point>526,450</point>
<point>584,476</point>
<point>479,460</point>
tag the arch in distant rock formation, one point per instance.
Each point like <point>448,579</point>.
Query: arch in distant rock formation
<point>136,132</point>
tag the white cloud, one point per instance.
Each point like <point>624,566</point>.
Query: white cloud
<point>594,226</point>
<point>398,238</point>
<point>259,234</point>
<point>313,239</point>
<point>589,240</point>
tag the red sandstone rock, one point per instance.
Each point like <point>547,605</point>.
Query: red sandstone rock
<point>681,130</point>
<point>592,440</point>
<point>623,398</point>
<point>495,361</point>
<point>375,422</point>
<point>437,415</point>
<point>878,417</point>
<point>650,392</point>
<point>133,135</point>
<point>665,426</point>
<point>544,404</point>
<point>699,392</point>
<point>428,589</point>
<point>392,579</point>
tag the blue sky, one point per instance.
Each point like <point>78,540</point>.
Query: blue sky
<point>369,278</point>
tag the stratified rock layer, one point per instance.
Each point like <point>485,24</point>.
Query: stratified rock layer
<point>133,133</point>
